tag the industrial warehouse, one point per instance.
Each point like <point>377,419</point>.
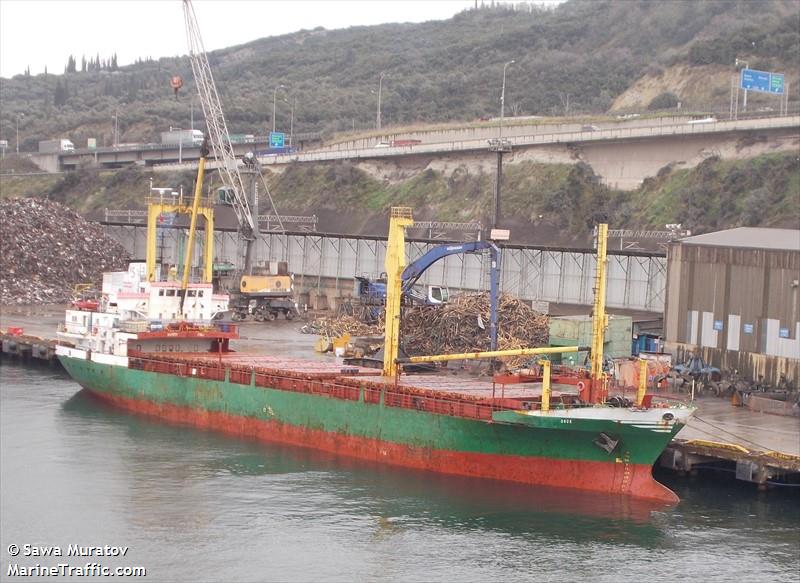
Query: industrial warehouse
<point>733,300</point>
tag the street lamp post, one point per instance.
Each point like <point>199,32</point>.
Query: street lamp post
<point>380,88</point>
<point>500,146</point>
<point>19,115</point>
<point>503,97</point>
<point>274,98</point>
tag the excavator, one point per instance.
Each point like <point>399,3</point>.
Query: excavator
<point>373,292</point>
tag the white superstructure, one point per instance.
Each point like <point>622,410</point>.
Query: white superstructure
<point>134,314</point>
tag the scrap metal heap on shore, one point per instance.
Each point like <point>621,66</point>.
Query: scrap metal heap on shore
<point>47,248</point>
<point>459,326</point>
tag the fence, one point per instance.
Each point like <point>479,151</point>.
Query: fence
<point>636,281</point>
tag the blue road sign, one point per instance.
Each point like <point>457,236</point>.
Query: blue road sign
<point>277,139</point>
<point>763,81</point>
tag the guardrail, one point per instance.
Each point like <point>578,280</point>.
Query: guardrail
<point>598,135</point>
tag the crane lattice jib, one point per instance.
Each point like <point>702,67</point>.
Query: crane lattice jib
<point>215,120</point>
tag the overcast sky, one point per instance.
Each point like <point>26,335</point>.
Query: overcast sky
<point>36,33</point>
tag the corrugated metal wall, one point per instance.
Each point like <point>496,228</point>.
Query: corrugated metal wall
<point>738,307</point>
<point>635,282</point>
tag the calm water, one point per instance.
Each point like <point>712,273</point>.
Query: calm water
<point>197,506</point>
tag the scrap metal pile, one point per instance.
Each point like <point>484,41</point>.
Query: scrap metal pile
<point>46,249</point>
<point>333,327</point>
<point>462,325</point>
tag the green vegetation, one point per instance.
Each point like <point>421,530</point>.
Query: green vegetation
<point>574,58</point>
<point>762,191</point>
<point>541,203</point>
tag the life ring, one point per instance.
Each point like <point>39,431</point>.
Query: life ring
<point>581,386</point>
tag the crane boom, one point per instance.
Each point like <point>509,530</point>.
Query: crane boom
<point>217,128</point>
<point>415,270</point>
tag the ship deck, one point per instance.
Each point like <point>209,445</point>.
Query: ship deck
<point>445,385</point>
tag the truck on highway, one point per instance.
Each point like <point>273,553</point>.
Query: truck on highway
<point>56,146</point>
<point>185,138</point>
<point>399,143</point>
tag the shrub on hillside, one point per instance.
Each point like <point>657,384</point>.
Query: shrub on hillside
<point>666,100</point>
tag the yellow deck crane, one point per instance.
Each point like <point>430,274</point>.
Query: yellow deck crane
<point>158,205</point>
<point>401,217</point>
<point>599,390</point>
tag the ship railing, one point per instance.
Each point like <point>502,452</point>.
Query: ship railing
<point>324,384</point>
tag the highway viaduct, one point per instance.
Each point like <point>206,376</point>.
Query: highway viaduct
<point>622,153</point>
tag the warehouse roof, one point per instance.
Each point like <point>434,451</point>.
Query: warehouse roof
<point>749,238</point>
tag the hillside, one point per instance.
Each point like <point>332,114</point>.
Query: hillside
<point>580,57</point>
<point>547,204</point>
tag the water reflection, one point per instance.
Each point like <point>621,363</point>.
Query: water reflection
<point>195,505</point>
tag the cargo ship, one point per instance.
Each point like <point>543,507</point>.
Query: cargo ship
<point>157,347</point>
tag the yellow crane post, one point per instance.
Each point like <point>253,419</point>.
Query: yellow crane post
<point>599,318</point>
<point>198,192</point>
<point>545,364</point>
<point>395,263</point>
<point>157,205</point>
<point>642,390</point>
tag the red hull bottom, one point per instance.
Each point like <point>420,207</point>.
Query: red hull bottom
<point>634,480</point>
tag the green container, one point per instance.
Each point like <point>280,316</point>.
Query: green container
<point>577,331</point>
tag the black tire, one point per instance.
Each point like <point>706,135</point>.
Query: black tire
<point>290,315</point>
